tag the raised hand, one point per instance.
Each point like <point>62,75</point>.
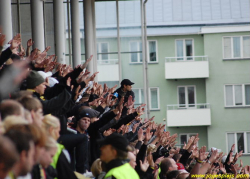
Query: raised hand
<point>140,135</point>
<point>14,44</point>
<point>140,110</point>
<point>241,163</point>
<point>105,88</point>
<point>22,52</point>
<point>108,132</point>
<point>130,102</point>
<point>87,62</point>
<point>30,43</point>
<point>135,127</point>
<point>213,156</point>
<point>112,90</point>
<point>144,166</point>
<point>233,147</point>
<point>233,169</point>
<point>47,49</point>
<point>93,76</point>
<point>148,135</point>
<point>118,116</point>
<point>222,168</point>
<point>120,129</point>
<point>202,153</point>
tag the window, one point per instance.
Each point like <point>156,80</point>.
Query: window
<point>241,141</point>
<point>152,47</point>
<point>102,50</point>
<point>184,49</point>
<point>153,97</point>
<point>185,138</point>
<point>236,47</point>
<point>237,95</point>
<point>139,96</point>
<point>136,52</point>
<point>186,96</point>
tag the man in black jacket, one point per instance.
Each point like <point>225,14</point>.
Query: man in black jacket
<point>125,91</point>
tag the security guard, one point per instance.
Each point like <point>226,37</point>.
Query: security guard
<point>114,152</point>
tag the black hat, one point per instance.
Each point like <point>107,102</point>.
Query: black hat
<point>34,79</point>
<point>126,82</point>
<point>87,112</point>
<point>116,140</point>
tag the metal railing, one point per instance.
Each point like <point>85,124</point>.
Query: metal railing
<point>188,106</point>
<point>107,62</point>
<point>186,59</point>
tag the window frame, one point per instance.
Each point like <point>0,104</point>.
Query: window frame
<point>99,46</point>
<point>140,99</point>
<point>188,137</point>
<point>158,98</point>
<point>156,51</point>
<point>236,143</point>
<point>184,49</point>
<point>232,52</point>
<point>243,96</point>
<point>186,96</point>
<point>137,52</point>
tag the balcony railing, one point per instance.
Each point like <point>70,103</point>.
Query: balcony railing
<point>188,106</point>
<point>109,70</point>
<point>107,62</point>
<point>186,59</point>
<point>197,115</point>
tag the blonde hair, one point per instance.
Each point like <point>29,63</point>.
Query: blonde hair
<point>96,167</point>
<point>50,121</point>
<point>50,143</point>
<point>13,120</point>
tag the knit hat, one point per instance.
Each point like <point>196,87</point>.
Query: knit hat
<point>34,79</point>
<point>88,112</point>
<point>116,140</point>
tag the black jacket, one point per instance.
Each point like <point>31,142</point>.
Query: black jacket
<point>119,91</point>
<point>120,95</point>
<point>63,168</point>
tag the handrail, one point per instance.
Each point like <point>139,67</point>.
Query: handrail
<point>188,106</point>
<point>186,59</point>
<point>107,62</point>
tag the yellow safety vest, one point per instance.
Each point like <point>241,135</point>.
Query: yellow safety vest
<point>159,169</point>
<point>123,172</point>
<point>60,147</point>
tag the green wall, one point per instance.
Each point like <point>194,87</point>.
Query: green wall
<point>221,73</point>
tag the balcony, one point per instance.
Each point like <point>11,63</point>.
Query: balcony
<point>186,67</point>
<point>108,70</point>
<point>197,115</point>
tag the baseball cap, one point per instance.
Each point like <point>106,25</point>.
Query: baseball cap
<point>87,112</point>
<point>115,140</point>
<point>44,74</point>
<point>181,168</point>
<point>126,82</point>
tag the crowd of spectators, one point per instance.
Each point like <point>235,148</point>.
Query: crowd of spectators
<point>57,122</point>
